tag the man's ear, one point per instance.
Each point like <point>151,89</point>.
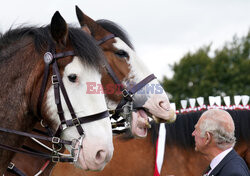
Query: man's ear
<point>208,138</point>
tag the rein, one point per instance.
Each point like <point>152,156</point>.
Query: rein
<point>57,142</point>
<point>127,102</point>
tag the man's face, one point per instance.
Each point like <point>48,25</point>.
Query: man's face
<point>199,141</point>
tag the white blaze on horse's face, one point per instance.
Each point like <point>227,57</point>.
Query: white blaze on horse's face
<point>97,149</point>
<point>152,96</point>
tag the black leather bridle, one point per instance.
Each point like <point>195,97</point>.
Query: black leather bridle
<point>57,82</point>
<point>127,102</point>
<point>50,58</point>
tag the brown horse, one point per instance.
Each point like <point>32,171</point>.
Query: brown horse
<point>118,57</point>
<point>28,55</point>
<point>123,63</point>
<point>133,157</point>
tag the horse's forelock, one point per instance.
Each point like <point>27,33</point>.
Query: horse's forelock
<point>85,47</point>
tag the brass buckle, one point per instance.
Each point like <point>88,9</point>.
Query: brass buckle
<point>55,140</point>
<point>76,122</point>
<point>111,111</point>
<point>54,79</point>
<point>55,159</point>
<point>11,165</point>
<point>125,93</point>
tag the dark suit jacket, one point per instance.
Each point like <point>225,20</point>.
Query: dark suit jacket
<point>231,165</point>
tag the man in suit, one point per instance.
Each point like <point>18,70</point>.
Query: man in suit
<point>214,138</point>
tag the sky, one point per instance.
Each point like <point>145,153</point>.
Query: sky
<point>162,31</point>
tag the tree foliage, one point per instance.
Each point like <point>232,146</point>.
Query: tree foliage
<point>199,74</point>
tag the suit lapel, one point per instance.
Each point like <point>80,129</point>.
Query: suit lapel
<point>227,158</point>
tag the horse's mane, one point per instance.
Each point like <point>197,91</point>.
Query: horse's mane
<point>179,132</point>
<point>116,30</point>
<point>83,45</point>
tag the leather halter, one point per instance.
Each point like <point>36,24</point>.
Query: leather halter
<point>57,82</point>
<point>127,93</point>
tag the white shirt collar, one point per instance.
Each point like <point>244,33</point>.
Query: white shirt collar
<point>218,159</point>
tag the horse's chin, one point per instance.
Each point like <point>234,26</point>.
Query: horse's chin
<point>139,124</point>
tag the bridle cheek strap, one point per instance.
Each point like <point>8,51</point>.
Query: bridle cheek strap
<point>48,59</point>
<point>58,83</point>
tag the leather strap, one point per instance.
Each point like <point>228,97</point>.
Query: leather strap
<point>131,92</point>
<point>64,54</point>
<point>13,169</point>
<point>50,139</point>
<point>38,154</point>
<point>86,119</point>
<point>104,39</point>
<point>142,83</point>
<point>42,90</point>
<point>66,98</point>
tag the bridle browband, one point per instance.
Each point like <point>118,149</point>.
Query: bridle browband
<point>126,93</point>
<point>104,39</point>
<point>51,58</point>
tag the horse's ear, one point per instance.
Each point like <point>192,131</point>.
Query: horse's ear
<point>88,24</point>
<point>80,16</point>
<point>59,29</point>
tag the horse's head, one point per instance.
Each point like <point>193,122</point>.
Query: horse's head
<point>123,66</point>
<point>73,61</point>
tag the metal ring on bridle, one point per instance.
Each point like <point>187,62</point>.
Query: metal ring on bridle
<point>74,142</point>
<point>58,148</point>
<point>42,124</point>
<point>127,108</point>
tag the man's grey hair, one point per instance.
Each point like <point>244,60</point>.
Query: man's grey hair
<point>219,128</point>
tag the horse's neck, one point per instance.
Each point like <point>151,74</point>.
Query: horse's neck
<point>15,72</point>
<point>14,112</point>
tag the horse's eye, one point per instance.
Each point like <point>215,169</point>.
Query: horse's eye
<point>122,53</point>
<point>72,77</point>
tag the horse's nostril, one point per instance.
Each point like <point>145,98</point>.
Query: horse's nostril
<point>100,156</point>
<point>164,105</point>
